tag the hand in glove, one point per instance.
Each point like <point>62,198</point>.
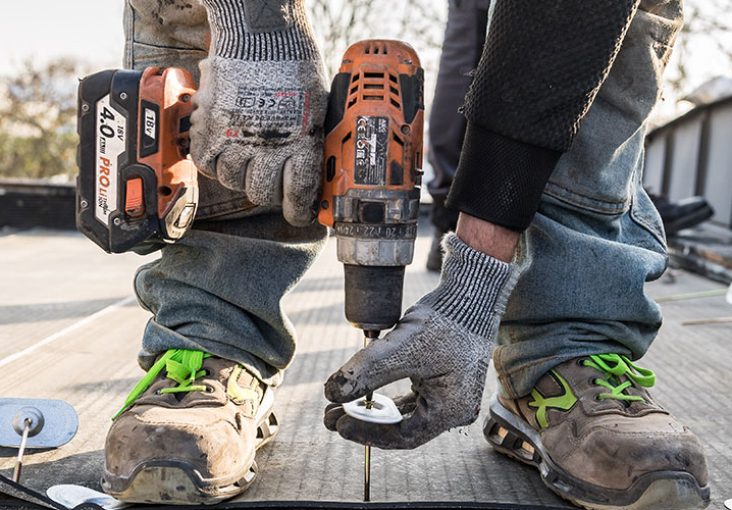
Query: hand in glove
<point>443,344</point>
<point>258,126</point>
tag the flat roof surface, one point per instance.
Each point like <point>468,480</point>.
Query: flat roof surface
<point>70,329</point>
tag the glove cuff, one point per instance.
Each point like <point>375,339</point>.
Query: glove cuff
<point>260,30</point>
<point>474,287</point>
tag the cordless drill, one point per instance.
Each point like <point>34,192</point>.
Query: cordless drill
<point>371,182</point>
<point>372,174</point>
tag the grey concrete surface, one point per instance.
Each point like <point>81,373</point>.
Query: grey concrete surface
<point>69,328</point>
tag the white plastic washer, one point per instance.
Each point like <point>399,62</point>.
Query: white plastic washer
<point>72,496</point>
<point>382,411</point>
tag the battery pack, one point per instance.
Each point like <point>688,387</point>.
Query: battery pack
<point>137,187</point>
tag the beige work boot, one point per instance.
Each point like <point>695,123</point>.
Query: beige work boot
<point>188,432</point>
<point>600,441</point>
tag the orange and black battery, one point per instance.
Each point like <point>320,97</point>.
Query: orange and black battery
<point>136,188</point>
<point>372,174</point>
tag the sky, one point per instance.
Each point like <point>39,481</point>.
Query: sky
<point>43,29</point>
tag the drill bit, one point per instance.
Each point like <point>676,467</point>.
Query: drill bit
<point>368,335</point>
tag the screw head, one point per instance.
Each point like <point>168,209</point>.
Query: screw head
<point>117,221</point>
<point>84,204</point>
<point>84,107</point>
<point>28,417</point>
<point>123,96</point>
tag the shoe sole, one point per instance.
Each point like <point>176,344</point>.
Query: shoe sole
<point>669,490</point>
<point>177,483</point>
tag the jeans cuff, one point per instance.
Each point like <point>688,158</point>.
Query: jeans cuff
<point>157,339</point>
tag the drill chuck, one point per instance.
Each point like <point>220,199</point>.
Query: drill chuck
<point>373,296</point>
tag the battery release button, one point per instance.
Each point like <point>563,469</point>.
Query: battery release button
<point>134,200</point>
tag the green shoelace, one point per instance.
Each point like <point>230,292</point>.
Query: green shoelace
<point>615,366</point>
<point>181,365</point>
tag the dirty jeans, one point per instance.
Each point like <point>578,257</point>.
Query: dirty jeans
<point>594,243</point>
<point>218,289</point>
<point>597,238</point>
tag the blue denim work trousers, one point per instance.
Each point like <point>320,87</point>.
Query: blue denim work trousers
<point>597,238</point>
<point>218,289</point>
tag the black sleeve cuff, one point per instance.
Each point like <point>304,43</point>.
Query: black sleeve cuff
<point>500,179</point>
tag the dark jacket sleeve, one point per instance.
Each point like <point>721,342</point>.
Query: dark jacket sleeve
<point>542,65</point>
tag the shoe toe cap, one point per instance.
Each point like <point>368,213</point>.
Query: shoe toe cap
<point>198,440</point>
<point>620,451</point>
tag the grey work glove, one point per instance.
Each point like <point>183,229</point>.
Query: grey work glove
<point>443,344</point>
<point>258,126</point>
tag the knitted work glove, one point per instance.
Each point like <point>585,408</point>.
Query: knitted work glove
<point>258,126</point>
<point>443,344</point>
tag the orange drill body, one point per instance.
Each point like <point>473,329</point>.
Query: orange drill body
<point>374,125</point>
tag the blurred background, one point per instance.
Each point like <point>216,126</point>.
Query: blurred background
<point>46,45</point>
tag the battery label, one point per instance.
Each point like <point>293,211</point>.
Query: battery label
<point>151,122</point>
<point>111,142</point>
<point>371,150</point>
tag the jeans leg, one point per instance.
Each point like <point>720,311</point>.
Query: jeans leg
<point>597,237</point>
<point>461,50</point>
<point>218,289</point>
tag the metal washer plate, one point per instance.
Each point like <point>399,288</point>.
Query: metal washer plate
<point>60,422</point>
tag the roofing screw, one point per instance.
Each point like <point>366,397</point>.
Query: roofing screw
<point>27,423</point>
<point>123,96</point>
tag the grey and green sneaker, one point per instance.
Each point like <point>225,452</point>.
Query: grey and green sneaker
<point>599,440</point>
<point>188,432</point>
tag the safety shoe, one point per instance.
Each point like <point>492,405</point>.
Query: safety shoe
<point>188,436</point>
<point>599,440</point>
